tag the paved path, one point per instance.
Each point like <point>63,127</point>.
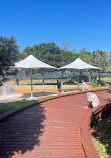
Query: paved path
<point>48,130</point>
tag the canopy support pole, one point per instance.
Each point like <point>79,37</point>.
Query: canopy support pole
<point>78,76</point>
<point>31,85</point>
<point>99,77</point>
<point>90,76</point>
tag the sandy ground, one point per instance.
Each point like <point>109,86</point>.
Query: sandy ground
<point>24,89</point>
<point>25,86</point>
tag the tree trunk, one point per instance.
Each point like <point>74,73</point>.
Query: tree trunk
<point>99,76</point>
<point>90,76</point>
<point>62,74</point>
<point>78,76</point>
<point>43,78</point>
<point>51,75</point>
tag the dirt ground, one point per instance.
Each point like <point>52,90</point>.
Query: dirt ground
<point>39,90</point>
<point>25,86</point>
<point>24,89</point>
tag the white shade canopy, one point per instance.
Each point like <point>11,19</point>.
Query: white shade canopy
<point>32,62</point>
<point>79,64</point>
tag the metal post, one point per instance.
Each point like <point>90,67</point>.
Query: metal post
<point>31,85</point>
<point>78,76</point>
<point>90,76</point>
<point>99,77</point>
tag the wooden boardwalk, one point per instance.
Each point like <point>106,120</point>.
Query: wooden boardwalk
<point>50,129</point>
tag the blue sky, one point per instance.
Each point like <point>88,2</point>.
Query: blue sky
<point>82,23</point>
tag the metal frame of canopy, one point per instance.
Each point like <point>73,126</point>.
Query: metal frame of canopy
<point>31,62</point>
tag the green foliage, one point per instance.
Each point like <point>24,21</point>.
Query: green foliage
<point>4,107</point>
<point>110,57</point>
<point>53,55</point>
<point>100,59</point>
<point>102,133</point>
<point>9,106</point>
<point>97,58</point>
<point>50,54</point>
<point>85,56</point>
<point>9,54</point>
<point>93,84</point>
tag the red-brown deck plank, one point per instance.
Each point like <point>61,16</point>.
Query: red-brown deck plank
<point>51,129</point>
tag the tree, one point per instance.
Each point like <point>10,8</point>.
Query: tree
<point>85,56</point>
<point>100,59</point>
<point>50,54</point>
<point>109,61</point>
<point>65,46</point>
<point>82,50</point>
<point>9,54</point>
<point>74,50</point>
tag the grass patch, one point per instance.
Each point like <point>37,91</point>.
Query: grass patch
<point>102,134</point>
<point>4,107</point>
<point>93,84</point>
<point>9,106</point>
<point>103,83</point>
